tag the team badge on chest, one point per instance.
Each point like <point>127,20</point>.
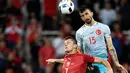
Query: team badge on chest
<point>98,32</point>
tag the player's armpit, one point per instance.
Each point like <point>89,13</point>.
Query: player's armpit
<point>105,63</point>
<point>55,60</point>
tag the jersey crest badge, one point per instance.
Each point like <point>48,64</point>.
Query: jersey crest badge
<point>98,32</point>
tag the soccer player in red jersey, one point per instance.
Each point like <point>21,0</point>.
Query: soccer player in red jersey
<point>75,62</point>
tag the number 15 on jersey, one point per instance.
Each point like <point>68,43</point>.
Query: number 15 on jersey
<point>92,40</point>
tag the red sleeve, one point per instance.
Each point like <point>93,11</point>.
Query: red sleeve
<point>88,58</point>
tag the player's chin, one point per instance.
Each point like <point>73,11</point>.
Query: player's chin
<point>66,51</point>
<point>88,21</point>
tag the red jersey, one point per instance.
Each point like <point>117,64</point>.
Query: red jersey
<point>76,63</point>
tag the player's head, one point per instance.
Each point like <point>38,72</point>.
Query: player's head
<point>69,44</point>
<point>86,14</point>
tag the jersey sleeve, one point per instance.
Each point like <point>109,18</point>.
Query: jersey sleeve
<point>78,39</point>
<point>88,58</point>
<point>107,31</point>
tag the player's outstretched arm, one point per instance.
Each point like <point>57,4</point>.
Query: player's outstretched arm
<point>55,60</point>
<point>112,50</point>
<point>106,63</point>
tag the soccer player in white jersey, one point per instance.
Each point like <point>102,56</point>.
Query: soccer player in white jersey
<point>94,38</point>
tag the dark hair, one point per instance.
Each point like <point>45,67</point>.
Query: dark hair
<point>114,23</point>
<point>83,8</point>
<point>70,37</point>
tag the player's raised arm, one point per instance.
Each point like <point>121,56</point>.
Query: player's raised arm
<point>55,60</point>
<point>106,63</point>
<point>114,55</point>
<point>112,50</point>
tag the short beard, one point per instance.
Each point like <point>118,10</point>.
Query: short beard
<point>89,21</point>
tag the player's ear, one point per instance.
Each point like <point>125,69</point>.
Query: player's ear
<point>91,13</point>
<point>75,46</point>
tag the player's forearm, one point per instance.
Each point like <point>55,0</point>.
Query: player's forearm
<point>59,60</point>
<point>104,62</point>
<point>112,50</point>
<point>114,55</point>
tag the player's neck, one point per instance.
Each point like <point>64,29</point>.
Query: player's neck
<point>92,23</point>
<point>73,51</point>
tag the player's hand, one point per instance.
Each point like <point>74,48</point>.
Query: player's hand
<point>110,71</point>
<point>121,68</point>
<point>50,61</point>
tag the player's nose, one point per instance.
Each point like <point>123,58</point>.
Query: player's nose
<point>86,17</point>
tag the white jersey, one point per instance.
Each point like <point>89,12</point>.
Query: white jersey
<point>91,39</point>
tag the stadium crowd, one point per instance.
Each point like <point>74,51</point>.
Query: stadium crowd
<point>25,47</point>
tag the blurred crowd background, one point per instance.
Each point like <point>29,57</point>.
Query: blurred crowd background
<point>32,31</point>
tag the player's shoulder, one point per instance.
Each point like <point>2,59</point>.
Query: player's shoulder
<point>103,25</point>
